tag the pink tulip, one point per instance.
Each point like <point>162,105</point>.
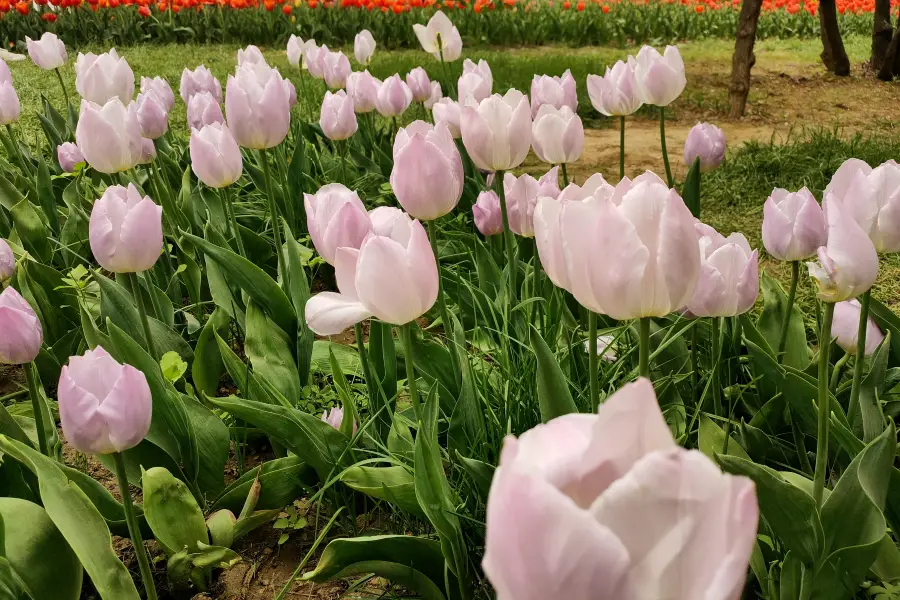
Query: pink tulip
<point>22,333</point>
<point>199,80</point>
<point>555,91</point>
<point>337,119</point>
<point>215,156</point>
<point>497,131</point>
<point>10,109</point>
<point>7,262</point>
<point>151,114</point>
<point>608,507</point>
<point>336,217</point>
<point>385,218</point>
<point>793,226</point>
<point>148,151</point>
<point>335,69</point>
<point>101,78</point>
<point>594,186</point>
<point>394,279</point>
<point>845,328</point>
<point>203,110</point>
<point>49,52</point>
<point>109,136</point>
<point>104,406</point>
<point>419,84</point>
<point>434,95</point>
<point>250,54</point>
<point>314,60</point>
<point>448,112</point>
<point>848,262</point>
<point>729,275</point>
<point>125,230</point>
<point>162,89</point>
<point>440,38</point>
<point>363,89</point>
<point>706,142</point>
<point>872,199</point>
<point>296,50</point>
<point>335,417</point>
<point>427,177</point>
<point>476,82</point>
<point>557,135</point>
<point>292,92</point>
<point>522,194</point>
<point>68,156</point>
<point>660,77</point>
<point>257,106</point>
<point>364,47</point>
<point>5,75</point>
<point>487,213</point>
<point>394,97</point>
<point>615,94</point>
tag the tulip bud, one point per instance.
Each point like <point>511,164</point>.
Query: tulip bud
<point>221,527</point>
<point>162,89</point>
<point>337,119</point>
<point>101,78</point>
<point>557,135</point>
<point>49,52</point>
<point>848,262</point>
<point>793,226</point>
<point>335,417</point>
<point>10,109</point>
<point>448,111</point>
<point>364,47</point>
<point>296,48</point>
<point>363,89</point>
<point>394,97</point>
<point>615,94</point>
<point>257,106</point>
<point>706,142</point>
<point>7,262</point>
<point>419,84</point>
<point>434,95</point>
<point>109,136</point>
<point>336,68</point>
<point>476,82</point>
<point>487,213</point>
<point>660,78</point>
<point>428,175</point>
<point>845,328</point>
<point>215,156</point>
<point>203,110</point>
<point>104,406</point>
<point>385,218</point>
<point>125,230</point>
<point>22,333</point>
<point>314,60</point>
<point>336,217</point>
<point>250,54</point>
<point>871,197</point>
<point>497,131</point>
<point>522,194</point>
<point>68,156</point>
<point>148,152</point>
<point>151,114</point>
<point>729,275</point>
<point>199,80</point>
<point>440,38</point>
<point>556,91</point>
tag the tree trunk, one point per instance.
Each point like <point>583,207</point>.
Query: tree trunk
<point>833,54</point>
<point>882,32</point>
<point>891,61</point>
<point>743,59</point>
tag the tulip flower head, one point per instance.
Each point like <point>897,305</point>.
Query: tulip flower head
<point>148,151</point>
<point>203,110</point>
<point>335,69</point>
<point>48,53</point>
<point>707,143</point>
<point>448,112</point>
<point>336,218</point>
<point>557,135</point>
<point>199,80</point>
<point>394,97</point>
<point>497,131</point>
<point>476,82</point>
<point>10,109</point>
<point>151,114</point>
<point>215,155</point>
<point>729,275</point>
<point>104,406</point>
<point>335,417</point>
<point>615,94</point>
<point>22,333</point>
<point>68,156</point>
<point>109,136</point>
<point>872,198</point>
<point>364,47</point>
<point>522,194</point>
<point>845,328</point>
<point>555,91</point>
<point>427,177</point>
<point>125,230</point>
<point>296,50</point>
<point>419,84</point>
<point>101,78</point>
<point>440,38</point>
<point>435,95</point>
<point>250,54</point>
<point>660,77</point>
<point>7,262</point>
<point>337,119</point>
<point>257,106</point>
<point>487,213</point>
<point>363,89</point>
<point>793,226</point>
<point>385,218</point>
<point>162,89</point>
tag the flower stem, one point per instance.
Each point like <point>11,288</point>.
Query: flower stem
<point>134,530</point>
<point>63,86</point>
<point>14,144</point>
<point>142,311</point>
<point>716,351</point>
<point>859,360</point>
<point>406,341</point>
<point>507,236</point>
<point>236,231</point>
<point>442,301</point>
<point>37,408</point>
<point>695,365</point>
<point>824,407</point>
<point>662,141</point>
<point>565,175</point>
<point>644,361</point>
<point>621,148</point>
<point>593,362</point>
<point>273,213</point>
<point>788,309</point>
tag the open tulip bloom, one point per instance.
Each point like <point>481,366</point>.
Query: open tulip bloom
<point>440,38</point>
<point>101,78</point>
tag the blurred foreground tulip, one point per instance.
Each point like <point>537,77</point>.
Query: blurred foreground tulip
<point>419,84</point>
<point>109,136</point>
<point>22,333</point>
<point>203,109</point>
<point>440,38</point>
<point>872,198</point>
<point>101,78</point>
<point>394,97</point>
<point>487,214</point>
<point>729,275</point>
<point>557,135</point>
<point>660,77</point>
<point>845,328</point>
<point>706,142</point>
<point>615,94</point>
<point>522,194</point>
<point>68,156</point>
<point>152,114</point>
<point>555,91</point>
<point>336,218</point>
<point>7,262</point>
<point>257,106</point>
<point>215,156</point>
<point>48,53</point>
<point>448,111</point>
<point>10,109</point>
<point>476,82</point>
<point>125,230</point>
<point>364,47</point>
<point>337,118</point>
<point>497,131</point>
<point>427,177</point>
<point>162,89</point>
<point>793,226</point>
<point>5,74</point>
<point>199,80</point>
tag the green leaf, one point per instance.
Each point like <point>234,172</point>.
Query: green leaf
<point>712,440</point>
<point>173,368</point>
<point>298,288</point>
<point>31,229</point>
<point>351,416</point>
<point>393,484</point>
<point>269,350</point>
<point>207,368</point>
<point>691,190</point>
<point>9,194</point>
<point>796,353</point>
<point>46,198</point>
<point>346,356</point>
<point>466,420</point>
<point>482,474</point>
<point>211,444</point>
<point>172,513</point>
<point>870,392</point>
<point>383,360</point>
<point>553,393</point>
<point>282,481</point>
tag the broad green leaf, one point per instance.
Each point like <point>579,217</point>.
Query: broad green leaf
<point>46,198</point>
<point>207,368</point>
<point>871,390</point>
<point>883,316</point>
<point>282,481</point>
<point>212,443</point>
<point>269,349</point>
<point>690,192</point>
<point>172,513</point>
<point>482,474</point>
<point>9,194</point>
<point>383,360</point>
<point>394,484</point>
<point>298,290</point>
<point>31,229</point>
<point>796,353</point>
<point>466,420</point>
<point>351,416</point>
<point>11,585</point>
<point>346,356</point>
<point>712,440</point>
<point>553,393</point>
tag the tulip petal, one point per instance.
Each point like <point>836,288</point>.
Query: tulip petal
<point>127,409</point>
<point>328,313</point>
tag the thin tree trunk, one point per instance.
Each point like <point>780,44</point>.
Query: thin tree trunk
<point>882,32</point>
<point>891,63</point>
<point>743,59</point>
<point>833,54</point>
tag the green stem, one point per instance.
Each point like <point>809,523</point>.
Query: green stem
<point>273,213</point>
<point>406,341</point>
<point>142,311</point>
<point>824,406</point>
<point>565,175</point>
<point>442,301</point>
<point>662,141</point>
<point>789,307</point>
<point>644,360</point>
<point>507,236</point>
<point>695,366</point>
<point>154,302</point>
<point>63,86</point>
<point>716,350</point>
<point>233,227</point>
<point>342,156</point>
<point>621,148</point>
<point>14,144</point>
<point>309,554</point>
<point>134,530</point>
<point>860,360</point>
<point>36,407</point>
<point>593,361</point>
<point>799,444</point>
<point>837,372</point>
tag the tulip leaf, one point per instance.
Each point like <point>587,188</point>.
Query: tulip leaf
<point>351,417</point>
<point>712,440</point>
<point>881,314</point>
<point>32,231</point>
<point>46,198</point>
<point>211,445</point>
<point>104,501</point>
<point>282,481</point>
<point>691,190</point>
<point>553,393</point>
<point>78,521</point>
<point>482,474</point>
<point>382,357</point>
<point>298,288</point>
<point>9,194</point>
<point>347,357</point>
<point>172,512</point>
<point>269,350</point>
<point>207,368</point>
<point>870,392</point>
<point>466,421</point>
<point>771,319</point>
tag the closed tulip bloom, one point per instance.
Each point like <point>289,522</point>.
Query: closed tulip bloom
<point>125,230</point>
<point>364,47</point>
<point>295,48</point>
<point>148,151</point>
<point>335,416</point>
<point>336,218</point>
<point>250,54</point>
<point>363,89</point>
<point>199,80</point>
<point>394,97</point>
<point>48,53</point>
<point>428,175</point>
<point>314,60</point>
<point>487,213</point>
<point>419,84</point>
<point>448,112</point>
<point>337,119</point>
<point>555,91</point>
<point>848,262</point>
<point>436,94</point>
<point>203,109</point>
<point>872,198</point>
<point>557,135</point>
<point>522,194</point>
<point>109,136</point>
<point>100,78</point>
<point>394,279</point>
<point>729,275</point>
<point>385,218</point>
<point>151,114</point>
<point>615,94</point>
<point>7,261</point>
<point>335,69</point>
<point>257,106</point>
<point>22,333</point>
<point>608,507</point>
<point>497,131</point>
<point>440,38</point>
<point>104,406</point>
<point>660,77</point>
<point>162,89</point>
<point>793,226</point>
<point>706,142</point>
<point>68,156</point>
<point>10,109</point>
<point>476,82</point>
<point>215,156</point>
<point>845,328</point>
